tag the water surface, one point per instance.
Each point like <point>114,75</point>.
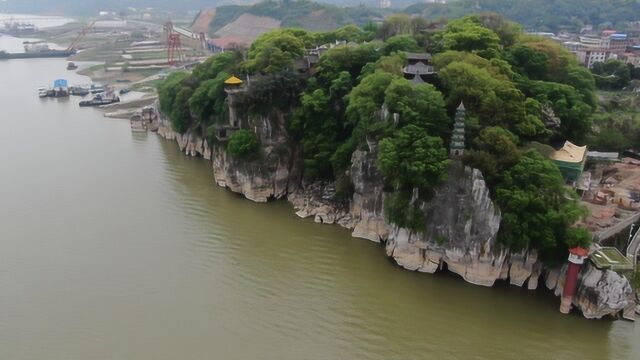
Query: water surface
<point>114,245</point>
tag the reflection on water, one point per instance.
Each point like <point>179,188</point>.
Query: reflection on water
<point>114,245</point>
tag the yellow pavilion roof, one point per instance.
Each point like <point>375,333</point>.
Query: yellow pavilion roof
<point>233,81</point>
<point>570,152</point>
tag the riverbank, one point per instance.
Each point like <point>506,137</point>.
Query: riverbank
<point>471,252</point>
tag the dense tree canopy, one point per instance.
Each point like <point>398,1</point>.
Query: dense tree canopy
<point>535,210</point>
<point>516,89</point>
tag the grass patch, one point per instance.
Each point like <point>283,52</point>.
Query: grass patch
<point>148,86</point>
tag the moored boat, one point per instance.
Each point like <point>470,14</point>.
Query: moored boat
<point>99,100</point>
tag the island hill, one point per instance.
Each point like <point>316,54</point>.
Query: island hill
<point>429,140</point>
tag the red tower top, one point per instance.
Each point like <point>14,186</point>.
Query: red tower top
<point>578,254</point>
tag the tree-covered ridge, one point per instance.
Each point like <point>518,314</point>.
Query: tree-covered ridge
<point>299,13</point>
<point>541,15</point>
<point>516,89</point>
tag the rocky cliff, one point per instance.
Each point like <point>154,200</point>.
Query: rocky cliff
<point>272,174</point>
<point>600,293</point>
<point>190,143</point>
<point>461,220</point>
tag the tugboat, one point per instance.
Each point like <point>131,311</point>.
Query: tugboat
<point>71,66</point>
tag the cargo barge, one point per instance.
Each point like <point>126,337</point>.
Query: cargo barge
<point>37,54</point>
<point>98,100</point>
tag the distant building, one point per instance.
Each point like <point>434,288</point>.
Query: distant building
<point>632,58</point>
<point>543,34</point>
<point>419,68</point>
<point>616,42</point>
<point>591,42</point>
<point>385,4</point>
<point>570,159</point>
<point>573,46</point>
<point>588,57</point>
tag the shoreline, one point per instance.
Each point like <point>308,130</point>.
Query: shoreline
<point>311,200</point>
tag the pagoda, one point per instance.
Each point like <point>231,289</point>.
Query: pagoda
<point>456,147</point>
<point>233,86</point>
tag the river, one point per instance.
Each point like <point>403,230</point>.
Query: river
<point>114,245</point>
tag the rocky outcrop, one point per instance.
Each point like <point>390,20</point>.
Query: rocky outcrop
<point>462,224</point>
<point>318,200</point>
<point>367,204</point>
<point>600,293</point>
<point>271,174</point>
<point>258,180</point>
<point>189,143</point>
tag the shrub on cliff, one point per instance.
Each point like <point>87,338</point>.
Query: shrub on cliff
<point>243,144</point>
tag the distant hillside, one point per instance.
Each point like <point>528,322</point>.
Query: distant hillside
<point>541,15</point>
<point>91,7</point>
<point>303,13</point>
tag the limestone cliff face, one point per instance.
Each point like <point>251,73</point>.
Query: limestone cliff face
<point>601,293</point>
<point>271,174</point>
<point>367,204</point>
<point>189,143</point>
<point>462,224</point>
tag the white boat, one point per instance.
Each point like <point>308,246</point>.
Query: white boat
<point>43,92</point>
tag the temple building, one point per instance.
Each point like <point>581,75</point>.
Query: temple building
<point>570,159</point>
<point>419,68</point>
<point>456,148</point>
<point>233,86</point>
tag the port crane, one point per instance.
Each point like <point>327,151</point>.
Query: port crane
<point>85,30</point>
<point>174,46</point>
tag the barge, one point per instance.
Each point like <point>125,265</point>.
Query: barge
<point>98,100</point>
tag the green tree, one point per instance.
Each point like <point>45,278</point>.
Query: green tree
<point>493,152</point>
<point>537,210</point>
<point>364,102</point>
<point>421,105</point>
<point>494,100</point>
<point>611,75</point>
<point>528,61</point>
<point>567,104</point>
<point>243,144</point>
<point>468,35</point>
<point>402,42</point>
<point>413,159</point>
<point>208,102</point>
<point>275,51</point>
<point>226,62</point>
<point>412,164</point>
<point>168,89</point>
<point>180,114</point>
